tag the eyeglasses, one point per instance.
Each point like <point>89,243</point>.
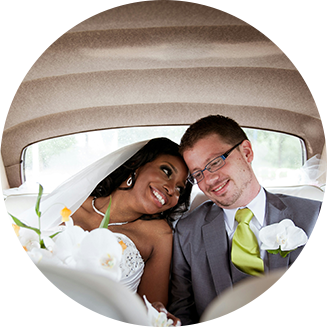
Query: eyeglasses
<point>211,167</point>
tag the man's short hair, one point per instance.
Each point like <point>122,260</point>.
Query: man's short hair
<point>227,128</point>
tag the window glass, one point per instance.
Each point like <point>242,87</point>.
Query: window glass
<point>52,161</point>
<point>278,157</point>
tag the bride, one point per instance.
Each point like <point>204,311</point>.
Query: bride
<point>146,183</point>
<point>147,192</point>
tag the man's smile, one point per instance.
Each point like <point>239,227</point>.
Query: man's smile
<point>220,187</point>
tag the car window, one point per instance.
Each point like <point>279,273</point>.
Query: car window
<point>277,162</point>
<point>278,157</point>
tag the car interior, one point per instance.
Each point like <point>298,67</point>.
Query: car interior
<point>149,69</point>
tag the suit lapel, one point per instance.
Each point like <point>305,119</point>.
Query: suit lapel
<point>216,242</point>
<point>216,246</point>
<point>276,210</point>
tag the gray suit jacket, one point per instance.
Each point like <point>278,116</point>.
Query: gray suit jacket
<point>201,267</point>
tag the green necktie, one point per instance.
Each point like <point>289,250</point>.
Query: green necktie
<point>245,249</point>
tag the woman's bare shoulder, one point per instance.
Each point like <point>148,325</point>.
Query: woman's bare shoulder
<point>158,227</point>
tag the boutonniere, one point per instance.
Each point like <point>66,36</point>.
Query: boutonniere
<point>282,237</point>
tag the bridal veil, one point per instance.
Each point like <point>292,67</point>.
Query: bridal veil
<point>74,191</point>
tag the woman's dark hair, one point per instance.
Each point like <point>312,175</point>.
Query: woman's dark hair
<point>148,153</point>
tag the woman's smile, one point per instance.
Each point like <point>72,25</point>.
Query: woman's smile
<point>159,184</point>
<point>159,197</point>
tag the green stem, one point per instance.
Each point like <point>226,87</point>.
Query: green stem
<point>40,240</point>
<point>106,218</point>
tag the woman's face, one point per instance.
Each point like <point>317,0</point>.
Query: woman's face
<point>159,184</point>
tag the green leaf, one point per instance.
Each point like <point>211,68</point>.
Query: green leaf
<point>284,253</point>
<point>273,251</point>
<point>53,235</point>
<point>42,245</point>
<point>38,200</point>
<point>21,224</point>
<point>106,218</point>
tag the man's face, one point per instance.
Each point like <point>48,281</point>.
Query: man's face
<point>232,186</point>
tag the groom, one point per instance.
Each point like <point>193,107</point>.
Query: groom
<point>217,245</point>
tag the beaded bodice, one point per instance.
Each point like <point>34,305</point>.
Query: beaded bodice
<point>132,263</point>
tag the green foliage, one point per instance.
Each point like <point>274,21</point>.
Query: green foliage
<point>106,218</point>
<point>38,213</point>
<point>38,200</point>
<point>21,224</point>
<point>283,254</point>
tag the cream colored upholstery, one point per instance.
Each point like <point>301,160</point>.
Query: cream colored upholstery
<point>98,293</point>
<point>272,299</point>
<point>16,204</point>
<point>158,63</point>
<point>303,191</point>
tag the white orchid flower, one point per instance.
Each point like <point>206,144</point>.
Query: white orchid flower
<point>28,239</point>
<point>44,256</point>
<point>283,236</point>
<point>48,243</point>
<point>31,244</point>
<point>156,318</point>
<point>101,253</point>
<point>67,244</point>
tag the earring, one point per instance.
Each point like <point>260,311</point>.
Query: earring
<point>129,181</point>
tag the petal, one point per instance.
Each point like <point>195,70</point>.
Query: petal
<point>152,312</point>
<point>28,234</point>
<point>98,249</point>
<point>100,241</point>
<point>44,256</point>
<point>114,273</point>
<point>68,242</point>
<point>48,242</point>
<point>267,236</point>
<point>70,262</point>
<point>28,239</point>
<point>295,237</point>
<point>285,223</point>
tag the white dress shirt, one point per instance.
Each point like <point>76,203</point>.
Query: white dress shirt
<point>258,207</point>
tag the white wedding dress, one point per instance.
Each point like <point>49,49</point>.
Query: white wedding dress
<point>132,264</point>
<point>73,192</point>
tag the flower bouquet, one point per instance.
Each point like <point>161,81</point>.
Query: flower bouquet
<point>70,246</point>
<point>67,245</point>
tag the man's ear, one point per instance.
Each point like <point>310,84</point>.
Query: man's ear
<point>246,150</point>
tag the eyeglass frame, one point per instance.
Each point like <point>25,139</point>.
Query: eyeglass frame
<point>223,156</point>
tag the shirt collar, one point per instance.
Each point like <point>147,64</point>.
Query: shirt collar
<point>257,206</point>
